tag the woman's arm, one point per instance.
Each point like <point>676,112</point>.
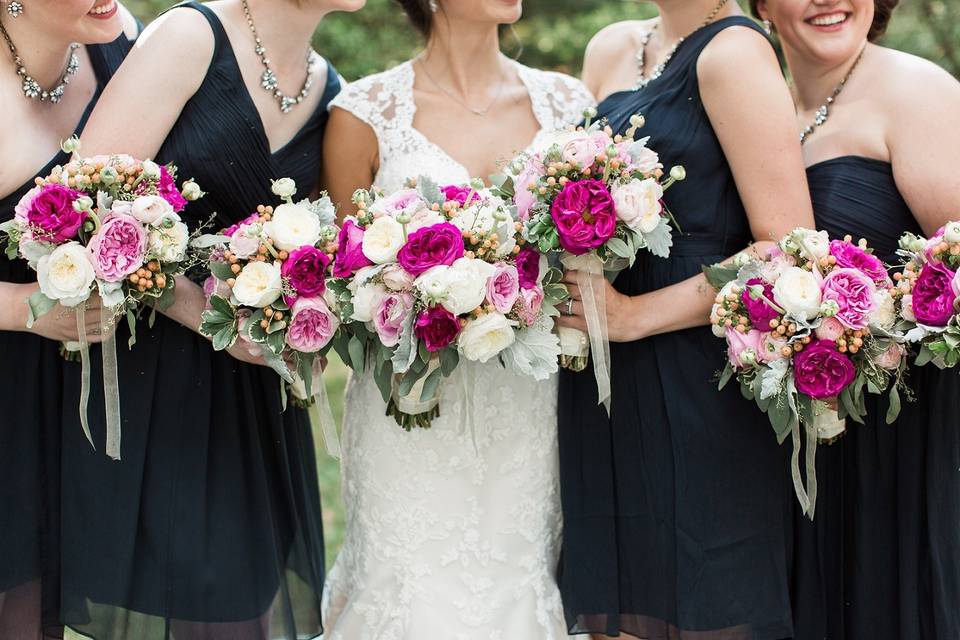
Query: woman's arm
<point>750,108</point>
<point>60,323</point>
<point>350,159</point>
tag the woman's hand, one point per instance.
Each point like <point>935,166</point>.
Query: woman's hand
<point>623,319</point>
<point>60,323</point>
<point>245,351</point>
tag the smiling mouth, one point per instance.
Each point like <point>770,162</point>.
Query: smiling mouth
<point>103,10</point>
<point>828,19</point>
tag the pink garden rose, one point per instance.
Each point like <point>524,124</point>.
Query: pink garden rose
<point>396,278</point>
<point>854,292</point>
<point>891,358</point>
<point>529,305</point>
<point>437,327</point>
<point>933,295</point>
<point>821,372</point>
<point>933,243</point>
<point>390,315</point>
<point>503,287</point>
<point>305,269</point>
<point>771,347</point>
<point>850,256</point>
<point>528,267</point>
<point>523,196</point>
<point>350,255</point>
<point>585,216</point>
<point>830,329</point>
<point>740,345</point>
<point>118,248</point>
<point>312,325</point>
<point>214,287</point>
<point>396,202</point>
<point>582,149</point>
<point>760,311</point>
<point>459,194</point>
<point>51,215</point>
<point>439,244</point>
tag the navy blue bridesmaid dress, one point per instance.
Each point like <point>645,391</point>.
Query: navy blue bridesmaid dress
<point>30,427</point>
<point>882,558</point>
<point>677,509</point>
<point>210,525</point>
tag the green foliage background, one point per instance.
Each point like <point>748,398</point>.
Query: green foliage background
<point>553,33</point>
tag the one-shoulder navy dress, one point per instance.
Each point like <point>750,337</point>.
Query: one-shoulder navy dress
<point>210,525</point>
<point>882,558</point>
<point>30,423</point>
<point>677,508</point>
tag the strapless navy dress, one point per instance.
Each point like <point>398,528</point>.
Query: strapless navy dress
<point>882,558</point>
<point>30,446</point>
<point>210,525</point>
<point>677,508</point>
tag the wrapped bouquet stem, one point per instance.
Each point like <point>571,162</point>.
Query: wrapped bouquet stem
<point>574,344</point>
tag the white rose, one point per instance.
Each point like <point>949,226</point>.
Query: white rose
<point>815,242</point>
<point>486,337</point>
<point>638,204</point>
<point>168,239</point>
<point>382,240</point>
<point>906,309</point>
<point>774,268</point>
<point>885,315</point>
<point>191,191</point>
<point>151,170</point>
<point>66,274</point>
<point>798,292</point>
<point>477,218</point>
<point>951,232</point>
<point>396,278</point>
<point>149,209</point>
<point>284,187</point>
<point>292,226</point>
<point>424,217</point>
<point>460,288</point>
<point>366,301</point>
<point>245,241</point>
<point>258,285</point>
<point>643,158</point>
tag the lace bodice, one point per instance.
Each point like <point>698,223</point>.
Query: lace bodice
<point>385,102</point>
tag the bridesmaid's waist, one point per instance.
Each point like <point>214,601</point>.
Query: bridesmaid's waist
<point>695,245</point>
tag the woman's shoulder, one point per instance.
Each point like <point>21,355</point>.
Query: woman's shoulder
<point>614,39</point>
<point>374,99</point>
<point>563,97</point>
<point>183,34</point>
<point>909,79</point>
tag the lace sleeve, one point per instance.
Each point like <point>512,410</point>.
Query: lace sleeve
<point>567,98</point>
<point>376,100</point>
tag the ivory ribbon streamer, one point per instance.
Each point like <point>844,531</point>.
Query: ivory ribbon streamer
<point>807,495</point>
<point>590,278</point>
<point>111,385</point>
<point>84,373</point>
<point>410,403</point>
<point>468,384</point>
<point>321,414</point>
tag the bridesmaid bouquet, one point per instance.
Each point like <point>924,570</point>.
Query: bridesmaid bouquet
<point>813,322</point>
<point>428,275</point>
<point>106,224</point>
<point>929,295</point>
<point>596,198</point>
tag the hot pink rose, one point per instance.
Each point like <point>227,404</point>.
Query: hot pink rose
<point>585,216</point>
<point>437,327</point>
<point>350,255</point>
<point>459,194</point>
<point>523,196</point>
<point>529,305</point>
<point>51,215</point>
<point>830,329</point>
<point>167,189</point>
<point>503,287</point>
<point>305,269</point>
<point>118,248</point>
<point>933,296</point>
<point>390,316</point>
<point>760,311</point>
<point>854,292</point>
<point>438,244</point>
<point>312,325</point>
<point>852,257</point>
<point>821,372</point>
<point>743,349</point>
<point>528,267</point>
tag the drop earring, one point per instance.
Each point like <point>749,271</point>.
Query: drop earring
<point>768,27</point>
<point>434,7</point>
<point>14,8</point>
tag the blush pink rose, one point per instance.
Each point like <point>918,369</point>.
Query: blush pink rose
<point>933,243</point>
<point>529,304</point>
<point>934,300</point>
<point>437,327</point>
<point>830,329</point>
<point>585,216</point>
<point>118,248</point>
<point>396,278</point>
<point>523,195</point>
<point>741,344</point>
<point>854,292</point>
<point>232,229</point>
<point>396,202</point>
<point>428,247</point>
<point>503,287</point>
<point>821,372</point>
<point>50,214</point>
<point>771,347</point>
<point>312,325</point>
<point>350,257</point>
<point>891,358</point>
<point>390,317</point>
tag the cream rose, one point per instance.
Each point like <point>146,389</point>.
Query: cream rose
<point>460,288</point>
<point>366,300</point>
<point>798,292</point>
<point>168,239</point>
<point>951,232</point>
<point>149,209</point>
<point>906,308</point>
<point>638,204</point>
<point>293,226</point>
<point>246,240</point>
<point>258,285</point>
<point>66,274</point>
<point>815,242</point>
<point>485,337</point>
<point>885,315</point>
<point>382,240</point>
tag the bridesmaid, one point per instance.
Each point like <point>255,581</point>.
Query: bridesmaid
<point>210,526</point>
<point>882,558</point>
<point>41,34</point>
<point>677,507</point>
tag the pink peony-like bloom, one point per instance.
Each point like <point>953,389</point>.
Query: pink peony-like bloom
<point>214,287</point>
<point>891,358</point>
<point>167,189</point>
<point>529,304</point>
<point>523,196</point>
<point>850,256</point>
<point>582,149</point>
<point>437,327</point>
<point>118,248</point>
<point>306,269</point>
<point>312,325</point>
<point>50,213</point>
<point>396,202</point>
<point>585,216</point>
<point>438,244</point>
<point>771,347</point>
<point>821,372</point>
<point>503,287</point>
<point>854,292</point>
<point>760,311</point>
<point>933,243</point>
<point>830,329</point>
<point>350,257</point>
<point>528,267</point>
<point>390,317</point>
<point>741,346</point>
<point>454,193</point>
<point>934,299</point>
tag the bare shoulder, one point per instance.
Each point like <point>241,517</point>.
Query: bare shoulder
<point>131,28</point>
<point>737,50</point>
<point>914,86</point>
<point>182,33</point>
<point>608,44</point>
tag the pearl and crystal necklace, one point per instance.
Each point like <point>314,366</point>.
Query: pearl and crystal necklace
<point>31,88</point>
<point>643,81</point>
<point>821,114</point>
<point>268,79</point>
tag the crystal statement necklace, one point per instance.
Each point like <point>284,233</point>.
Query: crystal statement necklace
<point>821,115</point>
<point>31,88</point>
<point>268,79</point>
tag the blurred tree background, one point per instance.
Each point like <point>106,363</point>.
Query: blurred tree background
<point>553,33</point>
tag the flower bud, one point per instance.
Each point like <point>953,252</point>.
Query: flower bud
<point>500,215</point>
<point>191,191</point>
<point>284,187</point>
<point>678,173</point>
<point>951,232</point>
<point>741,260</point>
<point>71,145</point>
<point>637,121</point>
<point>829,308</point>
<point>151,170</point>
<point>108,176</point>
<point>748,358</point>
<point>476,184</point>
<point>83,203</point>
<point>590,113</point>
<point>403,217</point>
<point>756,291</point>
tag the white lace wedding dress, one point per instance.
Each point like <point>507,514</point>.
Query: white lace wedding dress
<point>452,533</point>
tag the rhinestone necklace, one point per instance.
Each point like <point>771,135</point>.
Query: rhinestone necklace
<point>31,88</point>
<point>475,111</point>
<point>643,81</point>
<point>268,79</point>
<point>821,115</point>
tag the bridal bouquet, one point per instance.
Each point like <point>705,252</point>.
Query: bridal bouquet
<point>929,290</point>
<point>426,276</point>
<point>106,224</point>
<point>597,198</point>
<point>811,323</point>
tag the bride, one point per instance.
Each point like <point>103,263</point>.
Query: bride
<point>452,532</point>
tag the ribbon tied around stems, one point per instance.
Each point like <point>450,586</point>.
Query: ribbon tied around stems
<point>590,280</point>
<point>111,382</point>
<point>317,403</point>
